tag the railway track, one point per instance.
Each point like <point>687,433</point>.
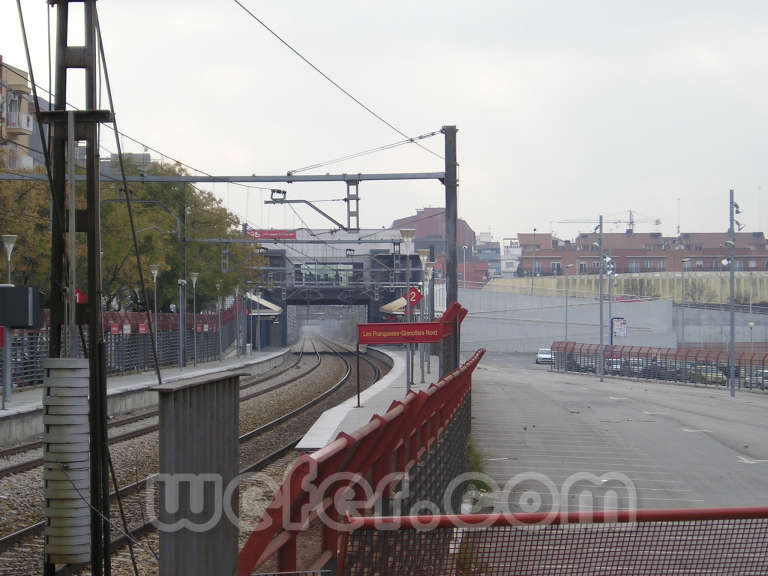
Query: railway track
<point>24,465</point>
<point>277,437</point>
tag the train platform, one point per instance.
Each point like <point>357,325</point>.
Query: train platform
<point>347,417</point>
<point>22,417</point>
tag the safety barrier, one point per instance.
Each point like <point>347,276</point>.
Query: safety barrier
<point>697,366</point>
<point>638,542</point>
<point>404,459</point>
<point>127,343</point>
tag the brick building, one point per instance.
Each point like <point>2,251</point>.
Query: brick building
<point>546,255</point>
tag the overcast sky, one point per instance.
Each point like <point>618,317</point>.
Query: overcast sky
<point>565,109</point>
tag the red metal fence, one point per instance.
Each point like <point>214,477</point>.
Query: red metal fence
<point>643,542</point>
<point>406,456</point>
<point>698,366</point>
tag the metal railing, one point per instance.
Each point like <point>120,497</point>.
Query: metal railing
<point>399,460</point>
<point>696,366</point>
<point>127,343</point>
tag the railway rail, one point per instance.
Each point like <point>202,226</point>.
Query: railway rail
<point>277,437</point>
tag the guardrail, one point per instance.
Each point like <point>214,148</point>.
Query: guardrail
<point>127,343</point>
<point>696,366</point>
<point>399,460</point>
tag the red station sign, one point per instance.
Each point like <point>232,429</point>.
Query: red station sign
<point>399,333</point>
<point>414,296</point>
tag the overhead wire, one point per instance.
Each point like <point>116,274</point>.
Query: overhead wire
<point>364,152</point>
<point>333,82</point>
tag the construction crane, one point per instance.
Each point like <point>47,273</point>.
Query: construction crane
<point>630,222</point>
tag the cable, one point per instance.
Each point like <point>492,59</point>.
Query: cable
<point>128,199</point>
<point>364,152</point>
<point>147,146</point>
<point>324,75</point>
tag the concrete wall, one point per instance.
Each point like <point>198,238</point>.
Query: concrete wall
<point>706,287</point>
<point>503,322</point>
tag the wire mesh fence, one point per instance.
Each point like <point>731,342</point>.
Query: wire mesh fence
<point>691,365</point>
<point>727,541</point>
<point>128,344</point>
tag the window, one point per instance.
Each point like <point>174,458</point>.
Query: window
<point>662,265</point>
<point>556,268</point>
<point>739,265</point>
<point>752,264</point>
<point>537,267</point>
<point>583,267</point>
<point>596,265</point>
<point>649,264</point>
<point>634,266</point>
<point>699,264</point>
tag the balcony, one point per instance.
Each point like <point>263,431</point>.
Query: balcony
<point>19,124</point>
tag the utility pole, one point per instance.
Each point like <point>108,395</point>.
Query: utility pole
<point>602,271</point>
<point>85,128</point>
<point>449,359</point>
<point>731,267</point>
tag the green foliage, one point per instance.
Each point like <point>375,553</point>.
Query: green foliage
<point>24,210</point>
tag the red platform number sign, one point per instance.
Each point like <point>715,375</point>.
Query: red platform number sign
<point>414,296</point>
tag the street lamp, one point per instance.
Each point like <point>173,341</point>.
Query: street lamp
<point>194,276</point>
<point>8,241</point>
<point>408,235</point>
<point>751,325</point>
<point>683,266</point>
<point>566,299</point>
<point>155,268</point>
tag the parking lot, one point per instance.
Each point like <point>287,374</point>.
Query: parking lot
<point>672,445</point>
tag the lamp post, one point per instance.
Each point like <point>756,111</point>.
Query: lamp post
<point>182,286</point>
<point>751,325</point>
<point>567,281</point>
<point>194,276</point>
<point>408,234</point>
<point>533,261</point>
<point>423,257</point>
<point>683,266</point>
<point>464,266</point>
<point>218,321</point>
<point>154,268</point>
<point>9,240</point>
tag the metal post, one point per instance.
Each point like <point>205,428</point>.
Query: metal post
<point>421,345</point>
<point>71,346</point>
<point>731,267</point>
<point>194,317</point>
<point>449,360</point>
<point>218,320</point>
<point>154,269</point>
<point>258,323</point>
<point>464,267</point>
<point>6,342</point>
<point>533,261</point>
<point>610,309</point>
<point>566,304</point>
<point>358,374</point>
<point>602,270</point>
<point>181,323</point>
<point>431,316</point>
<point>683,262</point>
<point>409,359</point>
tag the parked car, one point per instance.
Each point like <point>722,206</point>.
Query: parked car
<point>544,356</point>
<point>757,377</point>
<point>613,365</point>
<point>707,374</point>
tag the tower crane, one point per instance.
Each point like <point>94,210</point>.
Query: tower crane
<point>630,222</point>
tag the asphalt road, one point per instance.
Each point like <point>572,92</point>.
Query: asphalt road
<point>570,441</point>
